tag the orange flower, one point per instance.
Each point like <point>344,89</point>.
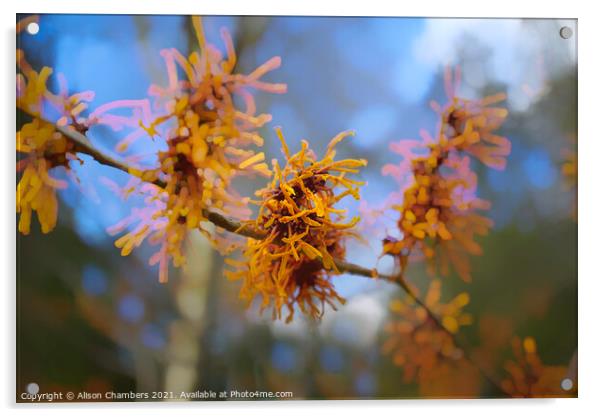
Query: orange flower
<point>414,340</point>
<point>470,124</point>
<point>529,377</point>
<point>304,232</point>
<point>207,139</point>
<point>438,215</point>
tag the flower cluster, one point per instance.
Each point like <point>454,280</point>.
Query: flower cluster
<point>41,145</point>
<point>438,216</point>
<point>416,342</point>
<point>207,138</point>
<point>304,231</point>
<point>529,377</point>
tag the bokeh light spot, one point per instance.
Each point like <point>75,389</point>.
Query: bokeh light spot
<point>365,384</point>
<point>131,308</point>
<point>539,169</point>
<point>94,280</point>
<point>284,357</point>
<point>332,359</point>
<point>153,337</point>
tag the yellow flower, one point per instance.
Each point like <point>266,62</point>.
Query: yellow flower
<point>45,148</point>
<point>416,343</point>
<point>208,139</point>
<point>438,217</point>
<point>305,232</point>
<point>41,146</point>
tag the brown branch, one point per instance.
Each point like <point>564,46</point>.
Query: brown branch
<point>232,225</point>
<point>83,145</point>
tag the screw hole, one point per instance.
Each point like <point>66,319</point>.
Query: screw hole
<point>566,384</point>
<point>566,32</point>
<point>33,28</point>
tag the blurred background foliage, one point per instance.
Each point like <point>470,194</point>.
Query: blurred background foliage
<point>89,319</point>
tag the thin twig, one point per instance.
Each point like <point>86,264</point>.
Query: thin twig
<point>83,145</point>
<point>232,225</point>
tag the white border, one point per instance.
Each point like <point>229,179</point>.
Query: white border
<point>590,154</point>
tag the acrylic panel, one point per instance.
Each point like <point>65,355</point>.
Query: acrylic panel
<point>287,208</point>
